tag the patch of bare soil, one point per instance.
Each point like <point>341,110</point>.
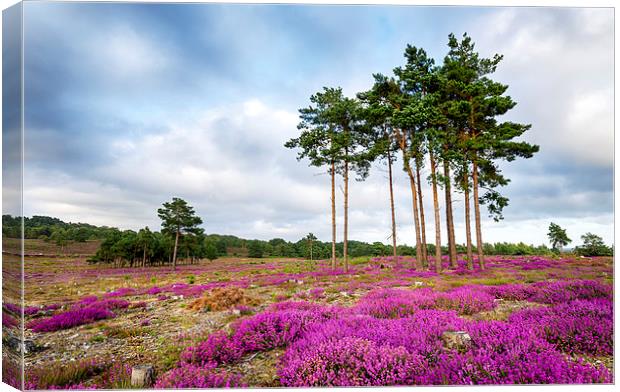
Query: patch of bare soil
<point>503,310</point>
<point>259,369</point>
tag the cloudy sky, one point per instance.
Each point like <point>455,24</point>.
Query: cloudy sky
<point>128,105</point>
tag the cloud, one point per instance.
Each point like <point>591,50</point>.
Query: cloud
<point>559,65</point>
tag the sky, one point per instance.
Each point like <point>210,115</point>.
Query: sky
<point>128,105</point>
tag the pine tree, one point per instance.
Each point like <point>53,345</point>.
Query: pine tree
<point>178,218</point>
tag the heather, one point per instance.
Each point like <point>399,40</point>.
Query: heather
<point>393,303</point>
<point>350,361</point>
<point>81,313</point>
<point>192,376</point>
<point>358,347</point>
<point>408,351</point>
<point>274,328</point>
<point>580,326</point>
<point>9,321</point>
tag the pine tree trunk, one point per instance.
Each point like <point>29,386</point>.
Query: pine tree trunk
<point>392,205</point>
<point>437,217</point>
<point>470,254</point>
<point>407,166</point>
<point>144,257</point>
<point>422,218</point>
<point>346,216</point>
<point>174,254</point>
<point>449,216</point>
<point>333,174</point>
<point>418,241</point>
<point>477,217</point>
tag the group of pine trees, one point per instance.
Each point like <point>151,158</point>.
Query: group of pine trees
<point>180,235</point>
<point>445,116</point>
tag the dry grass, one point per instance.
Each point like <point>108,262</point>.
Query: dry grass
<point>222,299</point>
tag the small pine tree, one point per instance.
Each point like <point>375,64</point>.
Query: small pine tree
<point>557,237</point>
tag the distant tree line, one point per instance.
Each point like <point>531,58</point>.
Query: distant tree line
<point>129,248</point>
<point>145,248</point>
<point>52,229</point>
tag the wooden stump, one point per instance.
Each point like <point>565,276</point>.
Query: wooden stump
<point>142,376</point>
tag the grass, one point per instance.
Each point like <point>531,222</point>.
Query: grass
<point>65,374</point>
<point>124,332</point>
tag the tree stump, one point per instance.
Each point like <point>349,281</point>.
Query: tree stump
<point>456,340</point>
<point>142,376</point>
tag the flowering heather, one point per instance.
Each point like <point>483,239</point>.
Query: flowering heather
<point>122,292</point>
<point>112,304</point>
<point>567,290</point>
<point>403,332</point>
<point>551,292</point>
<point>581,326</point>
<point>465,300</point>
<point>84,312</point>
<point>218,348</point>
<point>511,292</point>
<point>396,303</point>
<point>9,321</point>
<point>301,306</point>
<point>70,319</point>
<point>13,308</point>
<point>504,353</point>
<point>153,290</point>
<point>317,293</point>
<point>31,310</point>
<point>277,327</point>
<point>273,329</point>
<point>350,361</point>
<point>192,376</point>
<point>411,348</point>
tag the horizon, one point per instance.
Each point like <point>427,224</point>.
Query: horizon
<point>387,243</point>
<point>197,106</point>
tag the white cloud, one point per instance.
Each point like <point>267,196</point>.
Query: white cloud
<point>559,65</point>
<point>125,53</point>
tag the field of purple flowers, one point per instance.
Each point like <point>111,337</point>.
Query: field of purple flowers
<point>524,320</point>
